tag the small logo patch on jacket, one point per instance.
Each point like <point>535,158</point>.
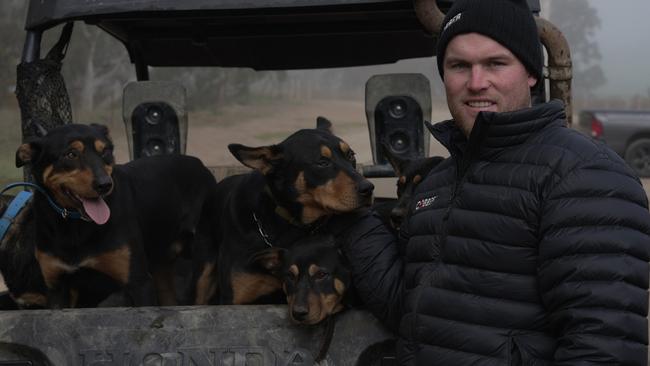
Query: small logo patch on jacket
<point>425,202</point>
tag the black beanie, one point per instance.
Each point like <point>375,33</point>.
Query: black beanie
<point>509,22</point>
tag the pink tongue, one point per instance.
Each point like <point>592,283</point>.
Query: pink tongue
<point>97,209</point>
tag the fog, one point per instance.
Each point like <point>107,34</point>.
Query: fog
<point>624,42</point>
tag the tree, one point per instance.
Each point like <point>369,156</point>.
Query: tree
<point>12,17</point>
<point>578,20</point>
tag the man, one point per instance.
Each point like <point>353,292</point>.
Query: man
<point>530,244</point>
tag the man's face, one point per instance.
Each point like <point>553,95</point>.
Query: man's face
<point>482,75</point>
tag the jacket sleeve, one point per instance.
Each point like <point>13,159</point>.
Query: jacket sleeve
<point>372,253</point>
<point>593,270</point>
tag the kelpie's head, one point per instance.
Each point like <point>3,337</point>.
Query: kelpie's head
<point>314,277</point>
<point>410,172</point>
<point>74,164</point>
<point>312,173</point>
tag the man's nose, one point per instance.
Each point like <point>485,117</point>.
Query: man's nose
<point>477,79</point>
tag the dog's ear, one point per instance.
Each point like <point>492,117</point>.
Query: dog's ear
<point>270,259</point>
<point>324,124</point>
<point>102,129</point>
<point>259,158</point>
<point>395,162</point>
<point>27,153</point>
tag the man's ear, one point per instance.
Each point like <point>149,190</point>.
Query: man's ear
<point>259,158</point>
<point>27,153</point>
<point>270,259</point>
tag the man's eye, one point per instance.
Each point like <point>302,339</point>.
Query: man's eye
<point>496,63</point>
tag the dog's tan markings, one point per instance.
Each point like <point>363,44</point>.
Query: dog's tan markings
<point>77,145</point>
<point>344,147</point>
<point>115,264</point>
<point>100,146</point>
<point>206,285</point>
<point>311,210</point>
<point>313,269</point>
<point>31,299</point>
<point>247,287</point>
<point>402,179</point>
<point>339,286</point>
<point>52,267</point>
<point>339,194</point>
<point>417,179</point>
<point>314,309</point>
<point>325,151</point>
<point>78,181</point>
<point>46,173</point>
<point>331,304</point>
<point>24,153</point>
<point>294,270</point>
<point>163,279</point>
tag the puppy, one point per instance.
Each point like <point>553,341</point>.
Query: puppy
<point>410,172</point>
<point>314,277</point>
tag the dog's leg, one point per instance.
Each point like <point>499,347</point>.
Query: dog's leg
<point>163,277</point>
<point>53,270</point>
<point>58,296</point>
<point>141,291</point>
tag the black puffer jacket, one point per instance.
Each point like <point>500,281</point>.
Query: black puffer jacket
<point>528,246</point>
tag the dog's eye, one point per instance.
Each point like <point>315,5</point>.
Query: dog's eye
<point>324,162</point>
<point>352,157</point>
<point>72,155</point>
<point>321,275</point>
<point>107,153</point>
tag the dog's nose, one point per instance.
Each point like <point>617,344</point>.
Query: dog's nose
<point>365,188</point>
<point>396,216</point>
<point>103,185</point>
<point>299,313</point>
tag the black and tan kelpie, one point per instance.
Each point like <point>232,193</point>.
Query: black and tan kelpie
<point>114,227</point>
<point>409,172</point>
<point>314,277</point>
<point>316,281</point>
<point>295,186</point>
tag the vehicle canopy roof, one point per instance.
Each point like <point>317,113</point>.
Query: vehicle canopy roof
<point>260,34</point>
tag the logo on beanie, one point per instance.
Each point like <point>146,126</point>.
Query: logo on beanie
<point>452,21</point>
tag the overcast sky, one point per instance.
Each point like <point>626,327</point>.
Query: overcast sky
<point>625,45</point>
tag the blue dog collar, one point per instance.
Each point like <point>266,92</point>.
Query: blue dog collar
<point>62,211</point>
<point>12,211</point>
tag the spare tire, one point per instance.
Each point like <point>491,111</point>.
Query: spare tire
<point>637,155</point>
